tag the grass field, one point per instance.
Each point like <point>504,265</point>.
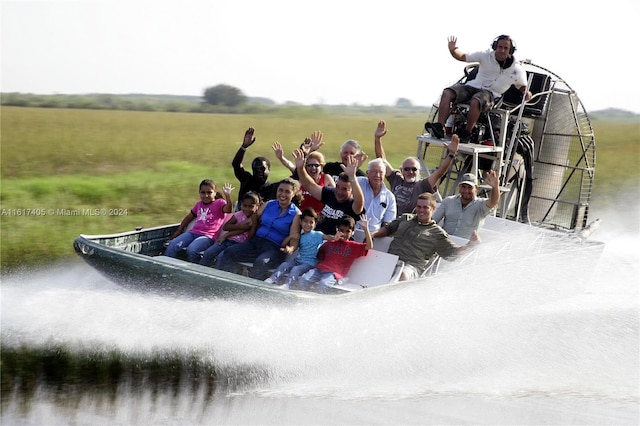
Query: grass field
<point>66,172</point>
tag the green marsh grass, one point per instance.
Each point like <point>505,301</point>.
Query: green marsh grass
<point>149,165</point>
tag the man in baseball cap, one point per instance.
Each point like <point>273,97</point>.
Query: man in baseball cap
<point>469,179</point>
<point>463,213</point>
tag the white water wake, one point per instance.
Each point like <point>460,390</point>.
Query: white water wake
<point>459,335</point>
<point>500,346</point>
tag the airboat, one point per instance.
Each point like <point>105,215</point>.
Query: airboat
<point>543,151</point>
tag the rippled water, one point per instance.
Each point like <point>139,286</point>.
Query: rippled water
<point>448,352</point>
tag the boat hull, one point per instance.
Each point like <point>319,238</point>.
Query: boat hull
<point>111,256</point>
<point>562,267</point>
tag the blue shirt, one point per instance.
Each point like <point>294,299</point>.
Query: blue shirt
<point>273,226</point>
<point>310,242</point>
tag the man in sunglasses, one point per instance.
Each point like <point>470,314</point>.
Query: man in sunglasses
<point>405,183</point>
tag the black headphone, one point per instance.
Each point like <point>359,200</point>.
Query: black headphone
<point>494,45</point>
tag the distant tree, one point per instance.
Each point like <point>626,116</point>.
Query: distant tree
<point>223,94</point>
<point>261,101</point>
<point>403,103</point>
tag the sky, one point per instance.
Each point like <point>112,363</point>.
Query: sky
<point>366,52</point>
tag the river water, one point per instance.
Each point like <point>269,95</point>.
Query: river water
<point>419,355</point>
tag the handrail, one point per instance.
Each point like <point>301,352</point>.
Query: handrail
<point>508,158</point>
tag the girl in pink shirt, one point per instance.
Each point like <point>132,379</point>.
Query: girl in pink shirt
<point>209,216</point>
<point>240,227</point>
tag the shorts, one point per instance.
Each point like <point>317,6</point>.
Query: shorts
<point>464,93</point>
<point>410,272</point>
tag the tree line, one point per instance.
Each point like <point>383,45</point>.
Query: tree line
<point>220,99</point>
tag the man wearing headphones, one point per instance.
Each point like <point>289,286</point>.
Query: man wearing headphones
<point>497,71</point>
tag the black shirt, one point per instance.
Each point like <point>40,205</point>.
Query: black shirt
<point>333,211</point>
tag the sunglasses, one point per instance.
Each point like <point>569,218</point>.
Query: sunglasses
<point>410,169</point>
<point>313,165</point>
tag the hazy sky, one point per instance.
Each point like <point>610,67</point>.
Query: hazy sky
<point>348,51</point>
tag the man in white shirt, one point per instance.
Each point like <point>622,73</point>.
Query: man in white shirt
<point>497,71</point>
<point>379,202</point>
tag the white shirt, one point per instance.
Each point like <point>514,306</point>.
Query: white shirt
<point>378,208</point>
<point>494,78</point>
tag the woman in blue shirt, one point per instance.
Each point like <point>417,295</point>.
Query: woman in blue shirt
<point>277,235</point>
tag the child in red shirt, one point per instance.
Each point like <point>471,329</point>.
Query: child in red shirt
<point>337,256</point>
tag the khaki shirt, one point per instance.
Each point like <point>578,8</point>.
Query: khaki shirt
<point>414,243</point>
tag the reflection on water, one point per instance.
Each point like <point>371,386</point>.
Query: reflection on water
<point>106,382</point>
<point>65,371</point>
<point>466,349</point>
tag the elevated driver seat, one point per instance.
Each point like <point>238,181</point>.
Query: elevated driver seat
<point>488,124</point>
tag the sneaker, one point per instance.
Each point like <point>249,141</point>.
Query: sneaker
<point>284,286</point>
<point>437,130</point>
<point>269,281</point>
<point>464,135</point>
